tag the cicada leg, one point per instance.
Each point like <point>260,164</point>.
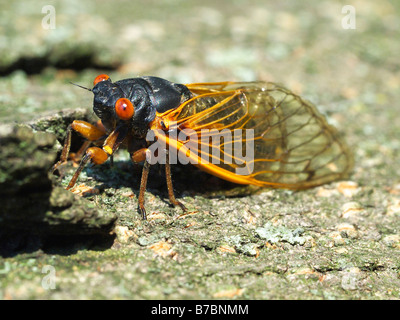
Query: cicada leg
<point>143,184</point>
<point>95,155</point>
<point>140,155</point>
<point>88,131</point>
<point>170,188</point>
<point>76,157</point>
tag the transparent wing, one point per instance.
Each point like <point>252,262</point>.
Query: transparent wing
<point>258,133</point>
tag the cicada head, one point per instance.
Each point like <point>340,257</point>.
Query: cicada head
<point>109,103</point>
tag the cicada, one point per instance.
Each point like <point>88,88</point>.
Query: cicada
<point>251,133</point>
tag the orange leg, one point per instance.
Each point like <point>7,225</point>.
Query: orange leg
<point>143,184</point>
<point>139,156</point>
<point>76,157</point>
<point>98,155</point>
<point>87,130</point>
<point>93,154</point>
<point>170,188</point>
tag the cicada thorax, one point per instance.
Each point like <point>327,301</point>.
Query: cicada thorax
<point>147,95</point>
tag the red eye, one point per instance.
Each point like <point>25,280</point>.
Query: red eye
<point>124,109</point>
<point>99,78</point>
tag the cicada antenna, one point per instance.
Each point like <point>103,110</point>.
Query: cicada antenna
<point>80,86</point>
